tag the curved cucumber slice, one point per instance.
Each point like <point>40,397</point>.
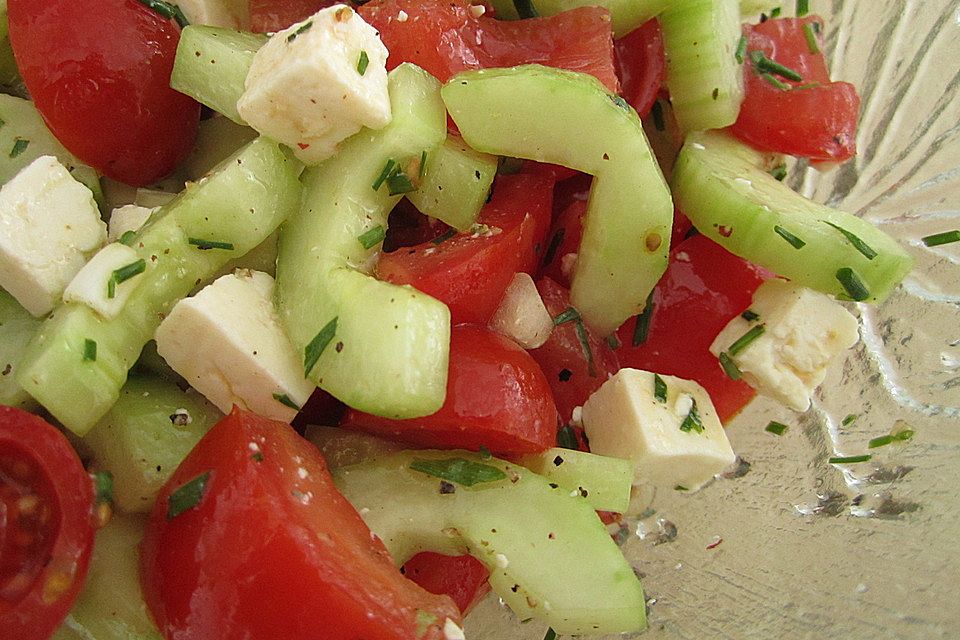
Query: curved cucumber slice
<point>700,38</point>
<point>565,118</point>
<point>378,347</point>
<point>721,185</point>
<point>605,482</point>
<point>552,559</point>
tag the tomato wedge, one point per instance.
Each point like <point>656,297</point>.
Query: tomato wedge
<point>463,578</point>
<point>641,65</point>
<point>46,525</point>
<point>265,547</point>
<point>497,398</point>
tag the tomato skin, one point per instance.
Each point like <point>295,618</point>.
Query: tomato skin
<point>562,358</point>
<point>272,550</point>
<point>641,65</point>
<point>471,272</point>
<point>267,16</point>
<point>497,397</point>
<point>818,122</point>
<point>37,460</point>
<point>445,37</point>
<point>101,81</point>
<point>703,288</point>
<point>463,578</point>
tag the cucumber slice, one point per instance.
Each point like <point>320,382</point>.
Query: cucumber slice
<point>518,112</point>
<point>455,185</point>
<point>625,15</point>
<point>723,188</point>
<point>22,121</point>
<point>378,347</point>
<point>146,435</point>
<point>217,139</point>
<point>212,64</point>
<point>9,74</point>
<point>241,203</point>
<point>700,38</point>
<point>552,559</point>
<point>17,327</point>
<point>605,482</point>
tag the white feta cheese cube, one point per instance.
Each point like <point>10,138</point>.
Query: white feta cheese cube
<point>49,226</point>
<point>317,83</point>
<point>666,425</point>
<point>802,332</point>
<point>92,284</point>
<point>522,316</point>
<point>230,14</point>
<point>129,217</point>
<point>228,343</point>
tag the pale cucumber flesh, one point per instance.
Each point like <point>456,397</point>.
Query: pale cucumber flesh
<point>604,482</point>
<point>17,327</point>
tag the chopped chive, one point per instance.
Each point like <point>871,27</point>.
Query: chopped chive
<point>550,635</point>
<point>620,102</point>
<point>363,63</point>
<point>372,237</point>
<point>302,29</point>
<point>729,366</point>
<point>613,341</point>
<point>446,235</point>
<point>746,339</point>
<point>103,487</point>
<point>585,347</point>
<point>168,11</point>
<point>810,33</point>
<point>19,146</point>
<point>750,315</point>
<point>567,315</point>
<point>857,243</point>
<point>555,243</point>
<point>386,173</point>
<point>852,284</point>
<point>123,274</point>
<point>794,241</point>
<point>659,388</point>
<point>187,496</point>
<point>938,239</point>
<point>128,237</point>
<point>314,350</point>
<point>776,82</point>
<point>89,350</point>
<point>692,422</point>
<point>423,163</point>
<point>776,428</point>
<point>111,288</point>
<point>803,8</point>
<point>484,453</point>
<point>285,400</point>
<point>399,183</point>
<point>764,64</point>
<point>206,245</point>
<point>882,441</point>
<point>849,419</point>
<point>641,330</point>
<point>779,172</point>
<point>567,438</point>
<point>680,487</point>
<point>775,12</point>
<point>525,9</point>
<point>741,50</point>
<point>458,470</point>
<point>657,112</point>
<point>850,459</point>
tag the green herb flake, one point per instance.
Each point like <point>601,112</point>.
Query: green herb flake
<point>257,457</point>
<point>89,350</point>
<point>692,422</point>
<point>123,274</point>
<point>206,245</point>
<point>857,243</point>
<point>301,30</point>
<point>730,368</point>
<point>363,62</point>
<point>749,315</point>
<point>584,341</point>
<point>313,351</point>
<point>458,470</point>
<point>567,315</point>
<point>446,235</point>
<point>613,341</point>
<point>776,428</point>
<point>555,243</point>
<point>849,419</point>
<point>775,12</point>
<point>187,496</point>
<point>793,240</point>
<point>641,330</point>
<point>103,487</point>
<point>779,172</point>
<point>19,146</point>
<point>680,487</point>
<point>741,52</point>
<point>803,8</point>
<point>904,435</point>
<point>399,183</point>
<point>387,171</point>
<point>128,237</point>
<point>620,102</point>
<point>2,123</point>
<point>659,388</point>
<point>810,33</point>
<point>850,459</point>
<point>764,64</point>
<point>746,339</point>
<point>168,11</point>
<point>484,453</point>
<point>938,239</point>
<point>775,81</point>
<point>423,163</point>
<point>285,400</point>
<point>550,635</point>
<point>567,438</point>
<point>852,284</point>
<point>372,237</point>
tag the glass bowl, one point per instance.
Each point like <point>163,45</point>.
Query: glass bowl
<point>796,547</point>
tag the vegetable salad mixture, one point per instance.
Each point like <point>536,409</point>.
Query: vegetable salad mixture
<point>325,320</point>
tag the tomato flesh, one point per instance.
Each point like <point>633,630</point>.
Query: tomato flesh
<point>641,65</point>
<point>463,578</point>
<point>445,37</point>
<point>817,118</point>
<point>272,550</point>
<point>497,397</point>
<point>267,16</point>
<point>46,525</point>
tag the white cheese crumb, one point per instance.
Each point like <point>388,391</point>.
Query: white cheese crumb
<point>402,16</point>
<point>452,631</point>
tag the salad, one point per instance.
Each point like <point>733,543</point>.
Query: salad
<point>521,271</point>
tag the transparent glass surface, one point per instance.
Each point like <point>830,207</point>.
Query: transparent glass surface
<point>797,547</point>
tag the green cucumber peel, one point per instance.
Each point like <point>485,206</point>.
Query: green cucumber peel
<point>552,559</point>
<point>518,112</point>
<point>723,187</point>
<point>389,349</point>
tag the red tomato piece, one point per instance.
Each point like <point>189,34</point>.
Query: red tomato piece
<point>46,526</point>
<point>497,397</point>
<point>101,81</point>
<point>471,271</point>
<point>703,288</point>
<point>267,16</point>
<point>641,65</point>
<point>564,243</point>
<point>446,37</point>
<point>563,357</point>
<point>269,549</point>
<point>816,118</point>
<point>463,578</point>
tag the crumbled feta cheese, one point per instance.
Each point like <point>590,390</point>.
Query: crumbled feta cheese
<point>335,95</point>
<point>673,440</point>
<point>49,226</point>
<point>130,217</point>
<point>95,282</point>
<point>452,631</point>
<point>522,316</point>
<point>228,343</point>
<point>803,331</point>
